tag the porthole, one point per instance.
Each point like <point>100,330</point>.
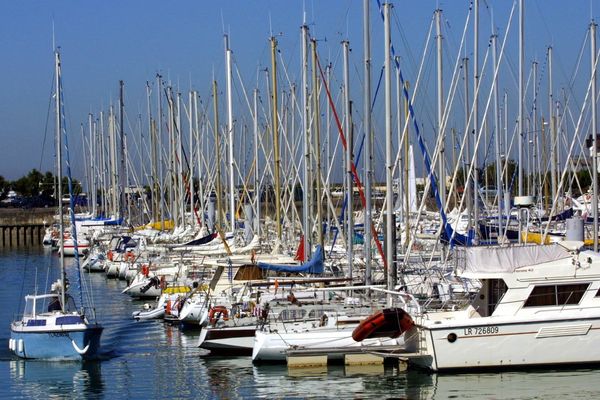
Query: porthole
<point>452,337</point>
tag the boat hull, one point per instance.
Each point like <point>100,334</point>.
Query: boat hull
<point>238,340</point>
<point>510,345</point>
<point>59,344</point>
<point>273,346</point>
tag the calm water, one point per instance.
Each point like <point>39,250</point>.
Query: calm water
<point>145,360</point>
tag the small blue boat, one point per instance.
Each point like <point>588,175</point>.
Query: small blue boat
<point>49,331</point>
<point>52,327</point>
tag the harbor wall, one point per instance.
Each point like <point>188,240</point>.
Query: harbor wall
<point>24,227</point>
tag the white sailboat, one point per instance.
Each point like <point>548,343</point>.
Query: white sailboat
<point>52,327</point>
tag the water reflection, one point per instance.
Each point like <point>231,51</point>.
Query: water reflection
<point>41,379</point>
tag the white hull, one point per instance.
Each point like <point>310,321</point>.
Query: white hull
<point>500,342</point>
<point>272,346</point>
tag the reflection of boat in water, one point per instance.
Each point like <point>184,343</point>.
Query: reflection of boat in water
<point>43,379</point>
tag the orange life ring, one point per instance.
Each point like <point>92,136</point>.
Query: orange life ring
<point>110,255</point>
<point>129,256</point>
<point>217,312</point>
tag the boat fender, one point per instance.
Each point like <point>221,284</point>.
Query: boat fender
<point>78,350</point>
<point>109,255</point>
<point>20,346</point>
<point>11,344</point>
<point>145,270</point>
<point>217,312</point>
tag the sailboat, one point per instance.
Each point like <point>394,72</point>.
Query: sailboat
<point>52,327</point>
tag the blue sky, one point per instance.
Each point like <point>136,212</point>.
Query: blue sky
<point>103,42</point>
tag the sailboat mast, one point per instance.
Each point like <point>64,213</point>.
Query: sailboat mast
<point>349,145</point>
<point>306,193</point>
<point>160,152</point>
<point>256,167</point>
<point>497,137</point>
<point>520,101</point>
<point>92,190</point>
<point>367,126</point>
<point>317,130</point>
<point>390,223</point>
<point>122,176</point>
<point>218,157</point>
<point>551,120</point>
<point>61,241</point>
<point>276,153</point>
<point>230,132</point>
<point>594,134</point>
<point>440,104</point>
<point>476,117</point>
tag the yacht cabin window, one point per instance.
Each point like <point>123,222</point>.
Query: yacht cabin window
<point>556,295</point>
<point>497,288</point>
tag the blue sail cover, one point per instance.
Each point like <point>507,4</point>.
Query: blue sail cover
<point>313,266</point>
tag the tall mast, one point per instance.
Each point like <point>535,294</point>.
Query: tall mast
<point>476,117</point>
<point>317,130</point>
<point>497,136</point>
<point>276,153</point>
<point>368,151</point>
<point>306,209</point>
<point>390,223</point>
<point>469,192</point>
<point>122,177</point>
<point>58,99</point>
<point>440,105</point>
<point>153,144</point>
<point>349,146</point>
<point>92,194</point>
<point>553,183</point>
<point>191,114</point>
<point>232,188</point>
<point>594,134</point>
<point>160,152</point>
<point>520,102</point>
<point>180,180</point>
<point>218,221</point>
<point>256,167</point>
<point>200,158</point>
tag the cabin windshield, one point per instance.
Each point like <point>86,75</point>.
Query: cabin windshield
<point>39,305</point>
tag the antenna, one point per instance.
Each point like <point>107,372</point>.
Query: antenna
<point>53,36</point>
<point>303,12</point>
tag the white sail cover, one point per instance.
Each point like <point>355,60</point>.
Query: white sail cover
<point>507,259</point>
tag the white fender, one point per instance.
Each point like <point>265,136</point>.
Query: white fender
<point>11,344</point>
<point>20,345</point>
<point>78,350</point>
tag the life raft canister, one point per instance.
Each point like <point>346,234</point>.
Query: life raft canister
<point>390,322</point>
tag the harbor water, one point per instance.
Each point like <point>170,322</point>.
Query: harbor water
<point>151,359</point>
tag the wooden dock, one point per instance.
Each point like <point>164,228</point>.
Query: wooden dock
<point>24,227</point>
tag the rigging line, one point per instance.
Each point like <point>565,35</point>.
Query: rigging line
<point>362,141</point>
<point>47,121</point>
<point>353,166</point>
